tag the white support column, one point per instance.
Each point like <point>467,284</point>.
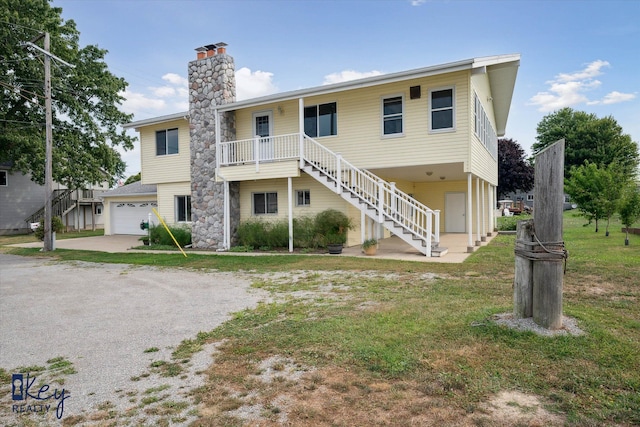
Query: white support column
<point>338,173</point>
<point>290,201</point>
<point>227,217</point>
<point>380,201</point>
<point>469,214</point>
<point>491,210</point>
<point>478,243</point>
<point>484,216</point>
<point>363,226</point>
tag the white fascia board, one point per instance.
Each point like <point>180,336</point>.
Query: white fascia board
<point>351,84</point>
<point>157,120</point>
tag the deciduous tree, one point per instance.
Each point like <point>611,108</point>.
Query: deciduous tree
<point>514,172</point>
<point>86,100</point>
<point>629,208</point>
<point>600,141</point>
<point>596,190</point>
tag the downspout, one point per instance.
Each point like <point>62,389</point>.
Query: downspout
<point>301,130</point>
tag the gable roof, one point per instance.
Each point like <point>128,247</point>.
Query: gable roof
<point>501,71</point>
<point>133,189</point>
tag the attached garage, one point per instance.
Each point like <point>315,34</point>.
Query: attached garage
<point>126,206</point>
<point>127,215</point>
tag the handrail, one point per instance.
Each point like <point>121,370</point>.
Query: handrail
<point>60,202</point>
<point>390,202</point>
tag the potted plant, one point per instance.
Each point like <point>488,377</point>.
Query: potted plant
<point>332,225</point>
<point>370,246</point>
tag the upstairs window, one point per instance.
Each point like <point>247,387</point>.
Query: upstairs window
<point>166,142</point>
<point>392,123</point>
<point>265,203</point>
<point>183,208</point>
<point>442,114</point>
<point>321,120</point>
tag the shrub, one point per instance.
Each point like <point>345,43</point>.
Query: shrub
<point>331,226</point>
<point>252,233</point>
<point>509,223</point>
<point>304,234</point>
<point>160,236</point>
<point>56,226</point>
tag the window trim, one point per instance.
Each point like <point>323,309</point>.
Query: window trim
<point>6,178</point>
<point>307,199</point>
<point>453,109</point>
<point>317,107</point>
<point>265,193</point>
<point>187,202</point>
<point>382,115</point>
<point>166,142</point>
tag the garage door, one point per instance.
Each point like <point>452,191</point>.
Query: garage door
<point>126,216</point>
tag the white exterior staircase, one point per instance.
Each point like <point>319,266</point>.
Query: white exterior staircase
<point>401,214</point>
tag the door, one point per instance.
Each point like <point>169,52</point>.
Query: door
<point>263,129</point>
<point>455,207</point>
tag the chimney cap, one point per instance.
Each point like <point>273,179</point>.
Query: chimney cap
<point>210,46</point>
<point>201,49</point>
<point>221,44</point>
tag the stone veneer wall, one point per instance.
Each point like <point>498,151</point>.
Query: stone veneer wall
<point>211,83</point>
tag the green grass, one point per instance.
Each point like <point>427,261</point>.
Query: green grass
<point>434,337</point>
<point>29,238</point>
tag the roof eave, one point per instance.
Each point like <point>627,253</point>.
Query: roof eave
<point>157,120</point>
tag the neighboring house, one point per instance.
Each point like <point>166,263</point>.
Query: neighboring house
<point>527,199</point>
<point>22,203</point>
<point>127,206</point>
<point>411,153</point>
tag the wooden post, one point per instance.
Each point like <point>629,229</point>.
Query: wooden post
<point>523,281</point>
<point>547,220</point>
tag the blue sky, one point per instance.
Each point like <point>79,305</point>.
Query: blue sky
<point>579,54</point>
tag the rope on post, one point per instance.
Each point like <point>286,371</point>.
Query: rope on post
<point>542,251</point>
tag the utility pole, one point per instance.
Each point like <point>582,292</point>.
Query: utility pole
<point>48,169</point>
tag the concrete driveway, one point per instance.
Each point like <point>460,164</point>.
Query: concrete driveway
<point>103,320</point>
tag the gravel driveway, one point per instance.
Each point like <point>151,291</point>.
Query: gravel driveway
<point>104,321</point>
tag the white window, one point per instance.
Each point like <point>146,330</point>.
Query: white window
<point>3,179</point>
<point>167,142</point>
<point>265,203</point>
<point>183,208</point>
<point>321,120</point>
<point>303,198</point>
<point>483,128</point>
<point>392,115</point>
<point>529,197</point>
<point>442,109</point>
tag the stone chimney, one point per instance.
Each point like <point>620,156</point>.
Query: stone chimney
<point>211,83</point>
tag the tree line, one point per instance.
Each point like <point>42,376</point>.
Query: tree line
<point>601,165</point>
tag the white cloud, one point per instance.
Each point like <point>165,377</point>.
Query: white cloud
<point>347,75</point>
<point>568,89</point>
<point>253,84</point>
<point>418,2</point>
<point>136,102</point>
<point>615,97</point>
<point>176,79</point>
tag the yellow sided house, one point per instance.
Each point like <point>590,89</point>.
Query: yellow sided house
<point>413,153</point>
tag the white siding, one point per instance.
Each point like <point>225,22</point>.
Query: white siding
<point>166,199</point>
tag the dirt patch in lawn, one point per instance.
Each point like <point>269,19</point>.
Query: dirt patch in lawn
<point>278,391</point>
